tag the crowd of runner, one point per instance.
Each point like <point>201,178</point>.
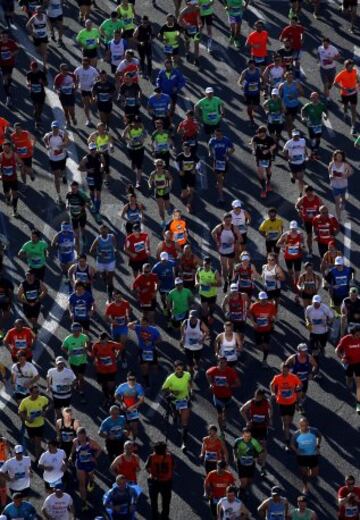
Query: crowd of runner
<point>174,284</point>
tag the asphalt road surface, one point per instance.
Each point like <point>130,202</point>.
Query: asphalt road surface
<point>330,405</point>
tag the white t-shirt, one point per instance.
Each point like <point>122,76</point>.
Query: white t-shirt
<point>296,150</point>
<point>55,141</point>
<point>54,8</point>
<point>23,376</point>
<point>19,470</point>
<point>58,508</point>
<point>318,318</point>
<point>54,460</point>
<point>86,77</point>
<point>61,381</point>
<point>326,56</point>
<point>230,510</point>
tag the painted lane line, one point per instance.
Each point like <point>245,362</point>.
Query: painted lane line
<point>256,12</point>
<point>329,127</point>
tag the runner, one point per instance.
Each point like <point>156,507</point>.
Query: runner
<point>264,147</point>
<point>137,248</point>
<point>161,143</point>
<point>308,284</point>
<point>306,444</point>
<point>86,76</point>
<point>262,314</point>
<point>210,111</point>
<point>232,505</point>
<point>102,93</point>
<point>81,306</point>
<point>188,129</point>
<point>216,484</point>
<point>104,248</point>
<point>285,387</point>
<point>135,137</point>
<point>143,36</point>
<point>83,272</point>
<point>302,512</point>
<point>88,39</point>
<point>339,172</point>
<point>112,429</point>
<point>9,161</point>
<point>127,463</point>
<point>64,242</point>
<point>207,280</point>
<point>55,14</point>
<point>187,164</point>
<point>305,367</point>
<point>56,142</point>
<point>292,244</point>
<point>228,345</point>
<point>31,293</point>
<point>24,143</point>
<point>130,396</point>
<point>53,464</point>
<point>251,82</point>
<point>272,276</point>
<point>161,181</point>
<point>34,252</point>
<point>348,351</point>
<point>8,53</point>
<point>171,81</point>
<point>189,19</point>
<point>222,379</point>
<point>179,229</point>
<point>36,81</point>
<point>226,236</point>
<point>213,448</point>
<point>149,338</point>
<point>118,313</point>
<point>132,212</point>
<point>328,54</point>
<point>66,428</point>
<point>23,376</point>
<point>58,503</point>
<point>32,412</point>
<point>275,506</point>
<point>105,354</point>
<point>318,319</point>
<point>272,227</point>
<point>350,310</point>
<point>160,467</point>
<point>235,307</point>
<point>246,452</point>
<point>347,81</point>
<point>165,271</point>
<point>187,265</point>
<point>326,228</point>
<point>296,154</point>
<point>19,339</point>
<point>312,114</point>
<point>145,287</point>
<point>104,144</point>
<point>257,42</point>
<point>64,84</point>
<point>308,208</point>
<point>290,91</point>
<point>60,382</point>
<point>339,279</point>
<point>179,302</point>
<point>37,26</point>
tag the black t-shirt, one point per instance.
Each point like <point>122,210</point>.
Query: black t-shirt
<point>6,290</point>
<point>131,94</point>
<point>37,81</point>
<point>93,166</point>
<point>262,146</point>
<point>144,33</point>
<point>187,163</point>
<point>165,28</point>
<point>103,91</point>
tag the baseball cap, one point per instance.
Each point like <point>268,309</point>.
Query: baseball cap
<point>293,224</point>
<point>236,203</point>
<point>136,227</point>
<point>339,260</point>
<point>164,256</point>
<point>178,281</point>
<point>59,360</point>
<point>354,290</point>
<point>92,146</point>
<point>262,295</point>
<point>57,485</point>
<point>275,490</point>
<point>75,326</point>
<point>244,257</point>
<point>19,449</point>
<point>233,287</point>
<point>209,90</point>
<point>55,124</point>
<point>275,92</point>
<point>302,347</point>
<point>295,132</point>
<point>193,313</point>
<point>316,298</point>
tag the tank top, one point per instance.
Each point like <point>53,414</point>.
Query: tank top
<point>309,284</point>
<point>259,412</point>
<point>302,370</point>
<point>31,290</point>
<point>306,515</point>
<point>4,452</point>
<point>188,268</point>
<point>161,184</point>
<point>102,142</point>
<point>269,277</point>
<point>352,309</point>
<point>228,348</point>
<point>55,8</point>
<point>276,511</point>
<point>207,279</point>
<point>290,95</point>
<point>136,138</point>
<point>339,180</point>
<point>252,82</point>
<point>66,246</point>
<point>55,142</point>
<point>8,167</point>
<point>292,247</point>
<point>40,26</point>
<point>243,277</point>
<point>117,50</point>
<point>193,335</point>
<point>133,214</point>
<point>239,220</point>
<point>227,241</point>
<point>82,275</point>
<point>105,249</point>
<point>84,454</point>
<point>237,308</point>
<point>127,16</point>
<point>67,434</point>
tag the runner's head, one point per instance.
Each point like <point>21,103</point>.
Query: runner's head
<point>19,451</point>
<point>263,297</point>
<point>246,434</point>
<point>275,92</point>
<point>295,134</point>
<point>284,369</point>
<point>146,269</point>
<point>129,54</point>
<point>301,502</point>
<point>231,492</point>
<point>228,327</point>
<point>245,258</point>
<point>309,267</point>
<point>353,293</point>
<point>236,206</point>
<point>104,230</point>
<point>339,263</point>
<point>259,25</point>
<point>261,132</point>
<point>145,20</point>
<point>207,262</point>
<point>60,363</point>
<point>114,16</point>
<point>189,114</point>
<point>186,147</point>
<point>332,246</point>
<point>101,128</point>
<point>38,10</point>
<point>227,218</point>
<point>19,323</point>
<point>251,64</point>
<point>179,368</point>
<point>209,92</point>
<point>103,76</point>
<point>160,448</point>
<point>168,64</point>
<point>349,65</point>
<point>271,258</point>
<point>276,494</point>
<point>294,20</point>
<point>58,489</point>
<point>221,466</point>
<point>314,97</point>
<point>114,411</point>
<point>21,357</point>
<point>120,479</point>
<point>212,430</point>
<point>128,447</point>
<point>35,235</point>
<point>316,301</point>
<point>4,36</point>
<point>309,191</point>
<point>293,227</point>
<point>193,315</point>
<point>55,127</point>
<point>67,412</point>
<point>272,212</point>
<point>339,156</point>
<point>127,78</point>
<point>66,226</point>
<point>82,260</point>
<point>222,362</point>
<point>259,394</point>
<point>355,330</point>
<point>159,125</point>
<point>81,433</point>
<point>323,210</point>
<point>92,148</point>
<point>34,392</point>
<point>74,187</point>
<point>350,481</point>
<point>130,378</point>
<point>63,68</point>
<point>177,214</point>
<point>7,146</point>
<point>289,75</point>
<point>164,256</point>
<point>53,445</point>
<point>88,24</point>
<point>79,287</point>
<point>303,424</point>
<point>302,348</point>
<point>18,127</point>
<point>170,20</point>
<point>17,499</point>
<point>326,42</point>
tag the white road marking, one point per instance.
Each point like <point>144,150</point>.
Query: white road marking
<point>256,12</point>
<point>329,127</point>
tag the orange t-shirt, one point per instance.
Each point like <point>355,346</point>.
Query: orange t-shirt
<point>347,80</point>
<point>285,388</point>
<point>105,355</point>
<point>23,144</point>
<point>263,315</point>
<point>128,468</point>
<point>4,451</point>
<point>257,42</point>
<point>19,341</point>
<point>4,124</point>
<point>218,483</point>
<point>213,449</point>
<point>178,231</point>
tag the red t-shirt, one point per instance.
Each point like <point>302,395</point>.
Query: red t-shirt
<point>325,228</point>
<point>189,128</point>
<point>128,468</point>
<point>218,483</point>
<point>105,356</point>
<point>349,345</point>
<point>118,312</point>
<point>222,379</point>
<point>139,245</point>
<point>19,341</point>
<point>146,285</point>
<point>309,208</point>
<point>263,315</point>
<point>7,58</point>
<point>345,490</point>
<point>293,33</point>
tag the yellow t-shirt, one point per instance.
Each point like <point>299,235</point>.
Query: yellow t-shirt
<point>33,409</point>
<point>272,228</point>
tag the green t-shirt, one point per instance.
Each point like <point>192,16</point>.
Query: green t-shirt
<point>109,27</point>
<point>180,302</point>
<point>314,113</point>
<point>88,39</point>
<point>246,452</point>
<point>306,515</point>
<point>75,347</point>
<point>210,110</point>
<point>35,253</point>
<point>206,7</point>
<point>179,386</point>
<point>235,7</point>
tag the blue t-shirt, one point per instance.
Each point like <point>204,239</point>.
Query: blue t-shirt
<point>126,391</point>
<point>165,273</point>
<point>81,305</point>
<point>26,511</point>
<point>147,336</point>
<point>115,427</point>
<point>220,147</point>
<point>340,281</point>
<point>306,442</point>
<point>159,104</point>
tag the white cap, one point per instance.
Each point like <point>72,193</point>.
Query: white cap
<point>164,255</point>
<point>59,360</point>
<point>245,257</point>
<point>295,132</point>
<point>209,90</point>
<point>19,449</point>
<point>316,298</point>
<point>339,260</point>
<point>236,203</point>
<point>234,287</point>
<point>302,347</point>
<point>275,92</point>
<point>262,295</point>
<point>178,281</point>
<point>293,224</point>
